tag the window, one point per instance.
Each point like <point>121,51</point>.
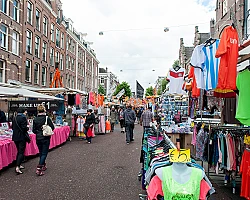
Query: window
<point>69,81</point>
<point>44,51</point>
<point>58,38</point>
<point>29,42</point>
<point>224,7</point>
<point>38,20</point>
<point>28,71</point>
<point>4,36</point>
<point>67,60</point>
<point>43,76</point>
<point>4,6</point>
<point>2,71</point>
<point>52,61</point>
<point>61,62</point>
<point>29,12</point>
<point>45,26</point>
<point>51,77</point>
<point>57,56</point>
<point>15,43</point>
<point>69,63</point>
<point>72,66</point>
<point>52,36</point>
<point>102,80</point>
<point>73,82</point>
<point>16,10</point>
<point>62,41</point>
<point>36,73</point>
<point>37,47</point>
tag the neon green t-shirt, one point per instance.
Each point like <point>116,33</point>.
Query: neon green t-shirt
<point>175,191</point>
<point>243,85</point>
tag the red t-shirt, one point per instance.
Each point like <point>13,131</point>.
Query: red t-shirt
<point>228,53</point>
<point>245,170</point>
<point>195,90</point>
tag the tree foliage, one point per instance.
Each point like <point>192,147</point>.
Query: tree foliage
<point>101,90</point>
<point>176,63</point>
<point>163,85</point>
<point>149,91</point>
<point>124,85</point>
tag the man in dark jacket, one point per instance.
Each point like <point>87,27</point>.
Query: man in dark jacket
<point>19,127</point>
<point>129,118</point>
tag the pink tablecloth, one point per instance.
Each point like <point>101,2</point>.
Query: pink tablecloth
<point>8,149</point>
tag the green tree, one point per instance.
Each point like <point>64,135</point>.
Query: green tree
<point>101,90</point>
<point>149,91</point>
<point>124,85</point>
<point>162,87</point>
<point>176,63</point>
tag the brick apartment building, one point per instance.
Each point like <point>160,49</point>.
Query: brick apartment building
<point>11,21</point>
<point>81,61</point>
<point>34,37</point>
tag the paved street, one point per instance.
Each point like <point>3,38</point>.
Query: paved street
<point>105,170</point>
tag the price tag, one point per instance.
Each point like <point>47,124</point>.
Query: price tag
<point>182,155</point>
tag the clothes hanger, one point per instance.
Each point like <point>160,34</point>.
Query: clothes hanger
<point>209,42</point>
<point>176,68</point>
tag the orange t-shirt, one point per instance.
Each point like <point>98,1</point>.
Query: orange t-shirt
<point>195,90</point>
<point>228,52</point>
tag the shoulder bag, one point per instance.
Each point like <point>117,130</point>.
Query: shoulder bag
<point>26,134</point>
<point>47,130</point>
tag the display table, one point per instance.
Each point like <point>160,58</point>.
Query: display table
<point>8,149</point>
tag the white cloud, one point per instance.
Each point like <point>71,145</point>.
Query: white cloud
<point>141,50</point>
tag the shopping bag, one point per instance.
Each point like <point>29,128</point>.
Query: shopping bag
<point>108,126</point>
<point>90,132</point>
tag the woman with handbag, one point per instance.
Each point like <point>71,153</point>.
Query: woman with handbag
<point>88,126</point>
<point>20,136</point>
<point>42,127</point>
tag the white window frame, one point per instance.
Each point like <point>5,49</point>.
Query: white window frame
<point>57,56</point>
<point>4,44</point>
<point>52,56</point>
<point>29,42</point>
<point>36,79</point>
<point>15,42</point>
<point>29,12</point>
<point>38,20</point>
<point>61,61</point>
<point>45,26</point>
<point>52,32</point>
<point>44,58</point>
<point>44,76</point>
<point>62,40</point>
<point>2,79</point>
<point>16,10</point>
<point>58,39</point>
<point>30,66</point>
<point>5,10</point>
<point>37,46</point>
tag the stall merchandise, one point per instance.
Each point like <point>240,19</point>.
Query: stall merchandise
<point>8,149</point>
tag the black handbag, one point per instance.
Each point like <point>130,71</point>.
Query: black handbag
<point>26,135</point>
<point>86,125</point>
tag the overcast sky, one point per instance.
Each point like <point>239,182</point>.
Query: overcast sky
<point>138,52</point>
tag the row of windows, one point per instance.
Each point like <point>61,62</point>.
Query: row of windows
<point>70,63</point>
<point>80,69</point>
<point>4,40</point>
<point>37,75</point>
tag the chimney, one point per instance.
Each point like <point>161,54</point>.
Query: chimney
<point>196,29</point>
<point>212,28</point>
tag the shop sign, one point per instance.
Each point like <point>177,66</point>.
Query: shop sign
<point>31,105</point>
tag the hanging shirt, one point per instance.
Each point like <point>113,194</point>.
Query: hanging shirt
<point>198,62</point>
<point>195,90</point>
<point>245,171</point>
<point>174,190</point>
<point>228,52</point>
<point>211,66</point>
<point>176,79</point>
<point>243,85</point>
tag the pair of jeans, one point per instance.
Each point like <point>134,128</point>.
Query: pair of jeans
<point>20,145</point>
<point>87,138</point>
<point>129,128</point>
<point>43,146</point>
<point>112,126</point>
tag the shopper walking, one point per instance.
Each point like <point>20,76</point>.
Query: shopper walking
<point>121,119</point>
<point>20,136</point>
<point>129,118</point>
<point>96,126</point>
<point>146,118</point>
<point>113,118</point>
<point>42,141</point>
<point>88,126</point>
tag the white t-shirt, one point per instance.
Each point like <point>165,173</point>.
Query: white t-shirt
<point>176,79</point>
<point>198,62</point>
<point>80,122</point>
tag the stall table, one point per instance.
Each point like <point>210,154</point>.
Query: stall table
<point>8,149</point>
